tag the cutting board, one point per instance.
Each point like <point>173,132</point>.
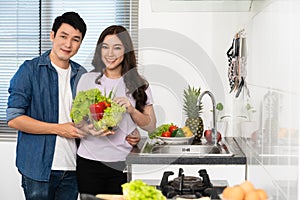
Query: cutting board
<point>110,196</point>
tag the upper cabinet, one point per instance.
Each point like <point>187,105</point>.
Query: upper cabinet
<point>208,5</point>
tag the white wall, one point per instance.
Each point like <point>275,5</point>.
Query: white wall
<point>273,52</point>
<point>10,183</point>
<point>188,48</point>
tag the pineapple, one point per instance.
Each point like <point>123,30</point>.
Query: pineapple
<point>193,109</point>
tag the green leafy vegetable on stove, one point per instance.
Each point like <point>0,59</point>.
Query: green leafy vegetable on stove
<point>138,190</point>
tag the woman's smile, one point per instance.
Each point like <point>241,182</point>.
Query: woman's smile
<point>112,52</point>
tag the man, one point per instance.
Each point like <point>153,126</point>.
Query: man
<point>39,105</point>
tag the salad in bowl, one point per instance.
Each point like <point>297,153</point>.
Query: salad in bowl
<point>91,105</point>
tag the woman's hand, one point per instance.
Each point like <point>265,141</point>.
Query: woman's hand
<point>145,120</point>
<point>89,128</point>
<point>134,137</point>
<point>123,101</point>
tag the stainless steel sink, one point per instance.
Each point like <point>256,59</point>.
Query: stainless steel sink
<point>185,150</point>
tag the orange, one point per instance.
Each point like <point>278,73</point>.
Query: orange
<point>262,194</point>
<point>226,192</point>
<point>247,186</point>
<point>244,191</point>
<point>235,193</point>
<point>252,195</point>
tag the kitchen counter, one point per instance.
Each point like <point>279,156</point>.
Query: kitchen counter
<point>239,158</point>
<point>150,167</point>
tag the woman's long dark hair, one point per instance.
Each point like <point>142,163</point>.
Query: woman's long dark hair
<point>135,84</point>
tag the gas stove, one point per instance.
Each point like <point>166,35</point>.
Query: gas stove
<point>190,187</point>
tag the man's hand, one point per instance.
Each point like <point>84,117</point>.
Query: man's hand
<point>90,129</point>
<point>68,130</point>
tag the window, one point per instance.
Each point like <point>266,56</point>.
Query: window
<point>26,25</point>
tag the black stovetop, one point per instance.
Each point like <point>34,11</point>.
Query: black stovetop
<point>191,187</point>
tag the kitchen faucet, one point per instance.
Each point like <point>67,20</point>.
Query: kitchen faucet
<point>214,128</point>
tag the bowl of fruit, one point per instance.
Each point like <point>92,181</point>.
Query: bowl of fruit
<point>91,105</point>
<point>172,134</point>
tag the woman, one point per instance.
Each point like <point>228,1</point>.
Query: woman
<point>101,160</point>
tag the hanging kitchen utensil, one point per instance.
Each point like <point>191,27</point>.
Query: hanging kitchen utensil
<point>232,69</point>
<point>237,58</point>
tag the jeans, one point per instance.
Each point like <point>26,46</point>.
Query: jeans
<point>61,186</point>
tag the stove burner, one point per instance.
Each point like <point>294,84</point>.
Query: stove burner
<point>186,186</point>
<point>187,196</point>
<point>188,182</point>
<point>188,179</point>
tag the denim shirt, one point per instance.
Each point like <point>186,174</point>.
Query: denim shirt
<point>34,92</point>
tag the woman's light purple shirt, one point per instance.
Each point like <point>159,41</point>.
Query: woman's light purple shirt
<point>109,148</point>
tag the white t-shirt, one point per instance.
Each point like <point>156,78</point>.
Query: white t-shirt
<point>109,148</point>
<point>65,148</point>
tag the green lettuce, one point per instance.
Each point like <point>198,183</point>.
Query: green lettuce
<point>159,130</point>
<point>112,116</point>
<point>81,109</point>
<point>138,190</point>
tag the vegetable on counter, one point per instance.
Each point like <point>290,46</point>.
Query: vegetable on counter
<point>159,130</point>
<point>170,130</point>
<point>101,110</point>
<point>178,133</point>
<point>166,134</point>
<point>138,190</point>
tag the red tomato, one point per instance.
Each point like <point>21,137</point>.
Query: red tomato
<point>97,110</point>
<point>172,128</point>
<point>166,134</point>
<point>102,105</point>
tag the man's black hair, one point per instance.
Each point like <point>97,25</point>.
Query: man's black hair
<point>71,18</point>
